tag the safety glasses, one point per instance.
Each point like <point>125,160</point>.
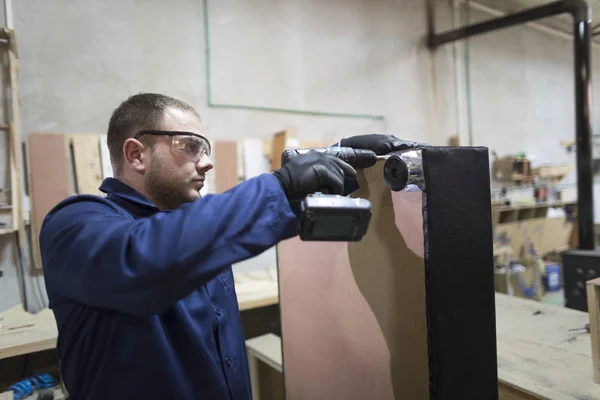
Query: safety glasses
<point>191,144</point>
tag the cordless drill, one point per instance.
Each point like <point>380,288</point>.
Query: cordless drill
<point>329,217</point>
<point>357,158</point>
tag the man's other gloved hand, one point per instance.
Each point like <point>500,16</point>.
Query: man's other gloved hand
<point>313,172</point>
<point>379,143</point>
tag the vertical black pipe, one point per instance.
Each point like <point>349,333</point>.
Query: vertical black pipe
<point>583,105</point>
<point>580,11</point>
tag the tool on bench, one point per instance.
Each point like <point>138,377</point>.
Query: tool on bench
<point>330,217</point>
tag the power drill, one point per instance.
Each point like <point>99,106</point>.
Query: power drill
<point>329,217</point>
<point>357,158</point>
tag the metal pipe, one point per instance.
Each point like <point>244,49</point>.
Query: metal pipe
<point>580,11</point>
<point>557,7</point>
<point>583,102</point>
<point>8,13</point>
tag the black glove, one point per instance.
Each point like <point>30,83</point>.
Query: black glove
<point>379,143</point>
<point>313,172</point>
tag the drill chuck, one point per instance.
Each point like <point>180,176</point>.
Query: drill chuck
<point>395,173</point>
<point>403,169</point>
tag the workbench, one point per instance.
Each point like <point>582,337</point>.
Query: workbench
<point>24,333</point>
<point>256,289</point>
<point>543,350</point>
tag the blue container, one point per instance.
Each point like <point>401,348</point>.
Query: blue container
<point>552,278</point>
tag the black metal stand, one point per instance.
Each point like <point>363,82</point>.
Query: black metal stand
<point>580,11</point>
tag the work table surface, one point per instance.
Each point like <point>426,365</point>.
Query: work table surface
<point>23,333</point>
<point>542,349</point>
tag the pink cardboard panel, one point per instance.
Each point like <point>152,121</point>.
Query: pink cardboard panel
<point>353,314</point>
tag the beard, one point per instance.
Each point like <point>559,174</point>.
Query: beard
<point>168,190</point>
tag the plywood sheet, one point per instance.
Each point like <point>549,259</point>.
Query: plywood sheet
<point>49,171</point>
<point>358,309</point>
<point>226,165</point>
<point>23,333</point>
<point>87,162</point>
<point>277,147</point>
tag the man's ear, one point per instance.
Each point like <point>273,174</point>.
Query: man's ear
<point>135,155</point>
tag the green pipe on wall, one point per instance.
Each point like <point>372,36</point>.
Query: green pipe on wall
<point>260,108</point>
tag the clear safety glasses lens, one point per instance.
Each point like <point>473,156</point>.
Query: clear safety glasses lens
<point>192,146</point>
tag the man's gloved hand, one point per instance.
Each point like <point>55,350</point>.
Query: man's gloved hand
<point>312,172</point>
<point>379,143</point>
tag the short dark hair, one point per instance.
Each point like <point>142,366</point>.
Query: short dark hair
<point>139,112</point>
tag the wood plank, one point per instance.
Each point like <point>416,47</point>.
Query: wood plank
<point>6,395</point>
<point>267,348</point>
<point>593,300</point>
<point>5,231</point>
<point>544,350</point>
<point>49,179</point>
<point>16,158</point>
<point>256,288</point>
<point>278,145</point>
<point>87,163</point>
<point>226,165</point>
<point>24,333</point>
<point>506,392</point>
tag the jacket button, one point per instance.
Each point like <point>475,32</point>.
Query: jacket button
<point>217,311</point>
<point>228,361</point>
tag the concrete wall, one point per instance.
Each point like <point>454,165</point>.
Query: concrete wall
<point>80,59</point>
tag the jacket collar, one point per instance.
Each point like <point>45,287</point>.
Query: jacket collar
<point>115,188</point>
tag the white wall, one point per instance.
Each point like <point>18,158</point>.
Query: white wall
<point>522,96</point>
<point>80,59</point>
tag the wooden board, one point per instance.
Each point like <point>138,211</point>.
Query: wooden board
<point>87,163</point>
<point>379,318</point>
<point>546,234</point>
<point>226,165</point>
<point>593,300</point>
<point>256,288</point>
<point>49,167</point>
<point>278,145</point>
<point>345,307</point>
<point>543,350</point>
<point>24,333</point>
<point>14,126</point>
<point>287,139</point>
<point>60,165</point>
<point>542,353</point>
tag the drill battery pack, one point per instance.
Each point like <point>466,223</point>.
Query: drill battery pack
<point>327,217</point>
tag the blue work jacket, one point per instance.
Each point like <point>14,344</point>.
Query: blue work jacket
<point>144,299</point>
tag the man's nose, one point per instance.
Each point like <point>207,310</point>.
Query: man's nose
<point>204,164</point>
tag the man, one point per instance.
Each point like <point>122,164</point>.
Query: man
<point>140,281</point>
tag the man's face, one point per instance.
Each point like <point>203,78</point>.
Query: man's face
<point>173,177</point>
